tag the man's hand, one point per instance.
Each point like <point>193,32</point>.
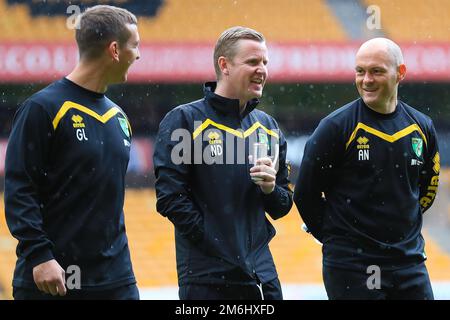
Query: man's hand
<point>263,174</point>
<point>50,278</point>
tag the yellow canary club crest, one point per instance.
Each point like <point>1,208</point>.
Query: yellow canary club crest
<point>362,143</point>
<point>437,163</point>
<point>77,121</point>
<point>214,138</point>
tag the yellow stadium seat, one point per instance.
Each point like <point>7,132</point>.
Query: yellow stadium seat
<point>196,21</point>
<point>417,20</point>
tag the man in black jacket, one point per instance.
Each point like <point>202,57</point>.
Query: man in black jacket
<point>65,171</point>
<point>369,172</point>
<point>212,191</point>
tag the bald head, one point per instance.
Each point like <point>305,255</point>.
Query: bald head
<point>379,69</point>
<point>383,46</point>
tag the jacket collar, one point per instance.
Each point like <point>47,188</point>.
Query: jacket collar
<point>226,105</point>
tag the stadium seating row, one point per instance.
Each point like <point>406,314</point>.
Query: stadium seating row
<point>421,21</point>
<point>204,20</point>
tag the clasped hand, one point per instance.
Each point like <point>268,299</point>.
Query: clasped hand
<point>264,175</point>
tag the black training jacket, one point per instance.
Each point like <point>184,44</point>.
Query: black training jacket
<point>203,186</point>
<point>364,182</point>
<point>65,171</point>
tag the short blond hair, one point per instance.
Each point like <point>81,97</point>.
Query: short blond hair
<point>227,43</point>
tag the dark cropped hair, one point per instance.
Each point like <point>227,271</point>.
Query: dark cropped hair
<point>99,26</point>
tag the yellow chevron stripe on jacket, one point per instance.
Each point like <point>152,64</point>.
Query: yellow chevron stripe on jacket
<point>208,122</point>
<point>389,138</point>
<point>67,105</point>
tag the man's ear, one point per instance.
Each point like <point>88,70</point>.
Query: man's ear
<point>401,72</point>
<point>223,65</point>
<point>113,50</point>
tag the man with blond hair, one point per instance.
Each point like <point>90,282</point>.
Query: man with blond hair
<point>369,172</point>
<point>65,172</point>
<point>207,186</point>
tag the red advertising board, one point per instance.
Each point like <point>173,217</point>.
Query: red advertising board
<point>190,62</point>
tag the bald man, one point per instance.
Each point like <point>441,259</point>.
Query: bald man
<point>369,172</point>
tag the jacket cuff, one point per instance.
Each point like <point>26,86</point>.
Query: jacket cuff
<point>42,256</point>
<point>278,197</point>
<point>273,196</point>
